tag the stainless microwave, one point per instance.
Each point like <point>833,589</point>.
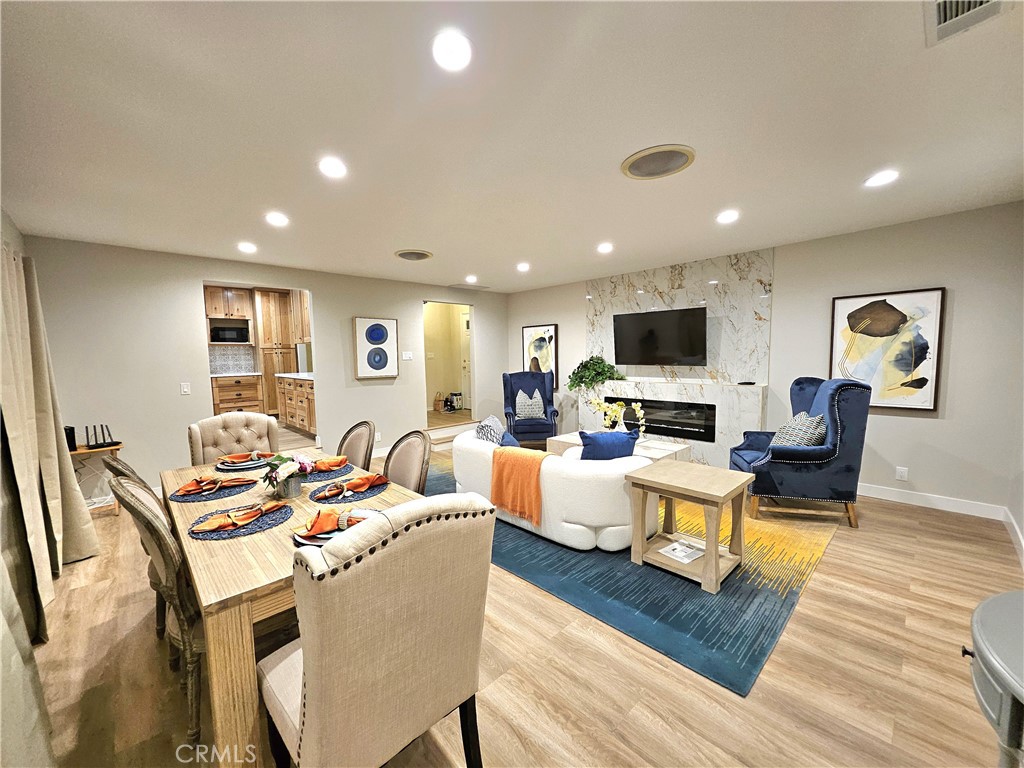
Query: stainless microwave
<point>228,335</point>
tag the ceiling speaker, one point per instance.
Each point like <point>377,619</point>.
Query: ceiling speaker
<point>658,162</point>
<point>413,255</point>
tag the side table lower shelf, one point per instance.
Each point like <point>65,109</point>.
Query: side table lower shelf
<point>695,569</point>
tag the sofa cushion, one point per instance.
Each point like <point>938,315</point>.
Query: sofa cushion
<point>490,429</point>
<point>533,425</point>
<point>801,430</point>
<point>529,406</point>
<point>608,445</point>
<point>508,441</point>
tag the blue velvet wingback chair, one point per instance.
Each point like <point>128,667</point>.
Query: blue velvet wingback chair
<point>826,472</point>
<point>529,382</point>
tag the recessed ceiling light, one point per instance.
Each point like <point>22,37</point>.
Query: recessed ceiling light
<point>332,167</point>
<point>605,248</point>
<point>276,219</point>
<point>727,216</point>
<point>452,50</point>
<point>523,266</point>
<point>470,278</point>
<point>880,179</point>
<point>712,282</point>
<point>246,247</point>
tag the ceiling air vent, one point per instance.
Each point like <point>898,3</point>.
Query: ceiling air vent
<point>413,255</point>
<point>945,18</point>
<point>658,162</point>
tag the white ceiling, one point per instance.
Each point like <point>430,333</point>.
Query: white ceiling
<point>175,127</point>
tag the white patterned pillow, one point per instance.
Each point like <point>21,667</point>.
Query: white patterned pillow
<point>801,430</point>
<point>490,429</point>
<point>529,407</point>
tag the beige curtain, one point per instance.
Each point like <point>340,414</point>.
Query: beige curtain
<point>57,525</point>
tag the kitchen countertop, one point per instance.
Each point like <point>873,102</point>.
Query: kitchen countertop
<point>244,373</point>
<point>301,376</point>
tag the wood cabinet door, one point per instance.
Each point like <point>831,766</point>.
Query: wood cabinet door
<point>307,334</point>
<point>216,301</point>
<point>311,412</point>
<point>295,300</point>
<point>285,336</point>
<point>269,357</point>
<point>267,320</point>
<point>240,303</point>
<point>287,361</point>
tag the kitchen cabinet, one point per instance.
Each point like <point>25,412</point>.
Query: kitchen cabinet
<point>298,403</point>
<point>274,319</point>
<point>237,393</point>
<point>276,361</point>
<point>300,327</point>
<point>228,302</point>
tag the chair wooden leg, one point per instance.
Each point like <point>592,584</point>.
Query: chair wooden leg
<point>193,689</point>
<point>470,734</point>
<point>282,758</point>
<point>851,512</point>
<point>755,502</point>
<point>173,657</point>
<point>161,616</point>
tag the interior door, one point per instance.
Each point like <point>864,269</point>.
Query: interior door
<point>466,347</point>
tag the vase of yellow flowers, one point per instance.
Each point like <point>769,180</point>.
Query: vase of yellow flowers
<point>613,414</point>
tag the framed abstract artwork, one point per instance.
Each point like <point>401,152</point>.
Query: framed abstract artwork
<point>891,341</point>
<point>376,347</point>
<point>540,349</point>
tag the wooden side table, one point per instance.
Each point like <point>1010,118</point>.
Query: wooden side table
<point>712,487</point>
<point>83,452</point>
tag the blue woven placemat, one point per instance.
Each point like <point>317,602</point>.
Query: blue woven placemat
<point>369,493</point>
<point>236,469</point>
<point>334,474</point>
<point>261,523</point>
<point>221,493</point>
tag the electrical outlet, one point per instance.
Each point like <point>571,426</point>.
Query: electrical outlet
<point>376,437</point>
<point>186,388</point>
<point>902,473</point>
<point>408,356</point>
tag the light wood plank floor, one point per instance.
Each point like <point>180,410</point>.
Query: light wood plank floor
<point>289,439</point>
<point>867,673</point>
<point>436,419</point>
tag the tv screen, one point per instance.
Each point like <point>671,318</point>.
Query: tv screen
<point>673,337</point>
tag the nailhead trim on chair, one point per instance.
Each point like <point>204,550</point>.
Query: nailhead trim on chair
<point>334,572</point>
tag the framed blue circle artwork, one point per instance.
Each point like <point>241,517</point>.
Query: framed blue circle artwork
<point>377,359</point>
<point>377,334</point>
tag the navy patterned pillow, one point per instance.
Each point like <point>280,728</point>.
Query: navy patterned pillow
<point>801,430</point>
<point>490,429</point>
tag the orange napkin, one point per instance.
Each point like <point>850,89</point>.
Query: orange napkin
<point>236,518</point>
<point>211,484</point>
<point>242,458</point>
<point>359,484</point>
<point>327,465</point>
<point>324,521</point>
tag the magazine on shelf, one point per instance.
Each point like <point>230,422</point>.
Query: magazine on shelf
<point>682,552</point>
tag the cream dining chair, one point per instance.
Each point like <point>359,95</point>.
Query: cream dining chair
<point>392,616</point>
<point>357,444</point>
<point>120,468</point>
<point>408,461</point>
<point>232,432</point>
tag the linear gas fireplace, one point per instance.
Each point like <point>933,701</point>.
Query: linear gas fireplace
<point>671,418</point>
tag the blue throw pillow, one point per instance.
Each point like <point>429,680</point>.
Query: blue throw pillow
<point>508,441</point>
<point>608,445</point>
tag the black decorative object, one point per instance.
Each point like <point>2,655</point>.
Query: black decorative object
<point>69,435</point>
<point>101,437</point>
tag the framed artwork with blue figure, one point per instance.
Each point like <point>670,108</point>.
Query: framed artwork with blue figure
<point>890,341</point>
<point>376,347</point>
<point>540,349</point>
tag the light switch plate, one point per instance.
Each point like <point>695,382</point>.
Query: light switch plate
<point>186,388</point>
<point>407,355</point>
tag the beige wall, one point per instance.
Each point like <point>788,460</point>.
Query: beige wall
<point>971,447</point>
<point>10,232</point>
<point>127,326</point>
<point>565,305</point>
<point>442,342</point>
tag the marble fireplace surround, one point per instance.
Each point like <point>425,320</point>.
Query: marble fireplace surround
<point>736,290</point>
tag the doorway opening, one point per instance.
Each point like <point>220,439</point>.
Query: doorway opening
<point>448,348</point>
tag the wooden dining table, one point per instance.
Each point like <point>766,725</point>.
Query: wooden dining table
<point>241,581</point>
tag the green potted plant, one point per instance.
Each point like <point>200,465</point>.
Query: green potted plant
<point>592,372</point>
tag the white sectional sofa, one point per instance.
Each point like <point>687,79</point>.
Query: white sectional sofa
<point>585,504</point>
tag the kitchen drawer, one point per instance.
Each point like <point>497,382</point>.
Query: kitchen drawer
<point>237,393</point>
<point>301,400</point>
<point>289,383</point>
<point>252,407</point>
<point>300,385</point>
<point>290,416</point>
<point>309,385</point>
<point>234,381</point>
<point>289,400</point>
<point>302,421</point>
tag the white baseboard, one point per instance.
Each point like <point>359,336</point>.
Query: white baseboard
<point>950,504</point>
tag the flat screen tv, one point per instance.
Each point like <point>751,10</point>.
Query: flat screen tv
<point>673,337</point>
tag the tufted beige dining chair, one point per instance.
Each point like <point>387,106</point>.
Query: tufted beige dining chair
<point>232,432</point>
<point>119,468</point>
<point>357,444</point>
<point>408,461</point>
<point>400,597</point>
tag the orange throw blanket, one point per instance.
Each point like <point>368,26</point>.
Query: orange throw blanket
<point>515,481</point>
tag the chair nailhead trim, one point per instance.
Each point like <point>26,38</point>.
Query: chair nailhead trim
<point>334,571</point>
<point>372,550</point>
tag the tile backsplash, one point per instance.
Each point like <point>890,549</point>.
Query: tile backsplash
<point>232,358</point>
